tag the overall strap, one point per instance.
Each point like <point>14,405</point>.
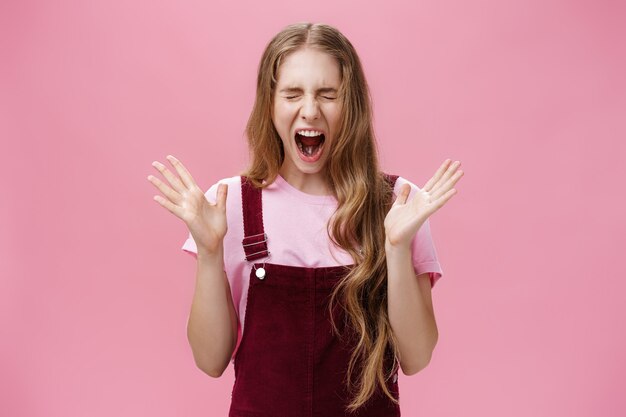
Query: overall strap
<point>255,240</point>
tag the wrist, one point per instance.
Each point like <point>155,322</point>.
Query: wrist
<point>211,255</point>
<point>397,248</point>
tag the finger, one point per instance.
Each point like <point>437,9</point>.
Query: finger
<point>447,174</point>
<point>185,175</point>
<point>429,185</point>
<point>405,190</point>
<point>444,199</point>
<point>173,179</point>
<point>222,193</point>
<point>448,185</point>
<point>172,195</point>
<point>172,208</point>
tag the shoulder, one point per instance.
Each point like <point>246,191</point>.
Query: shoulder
<point>234,188</point>
<point>230,181</point>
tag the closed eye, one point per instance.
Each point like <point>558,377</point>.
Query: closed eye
<point>324,97</point>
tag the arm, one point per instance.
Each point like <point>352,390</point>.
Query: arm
<point>410,310</point>
<point>212,325</point>
<point>409,298</point>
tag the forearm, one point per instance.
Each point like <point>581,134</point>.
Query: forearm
<point>212,326</point>
<point>411,317</point>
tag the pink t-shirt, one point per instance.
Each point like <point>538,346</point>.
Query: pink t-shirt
<point>285,211</point>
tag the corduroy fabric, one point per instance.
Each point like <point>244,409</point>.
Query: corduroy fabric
<point>290,363</point>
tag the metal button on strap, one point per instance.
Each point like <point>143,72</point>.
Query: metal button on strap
<point>395,378</point>
<point>260,273</point>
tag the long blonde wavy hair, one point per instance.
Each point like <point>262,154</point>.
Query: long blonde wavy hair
<point>363,195</point>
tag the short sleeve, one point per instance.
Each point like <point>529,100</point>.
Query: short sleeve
<point>190,245</point>
<point>424,252</point>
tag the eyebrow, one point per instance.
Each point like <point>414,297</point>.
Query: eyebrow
<point>298,90</point>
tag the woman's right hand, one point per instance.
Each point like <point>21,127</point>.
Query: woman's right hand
<point>206,222</point>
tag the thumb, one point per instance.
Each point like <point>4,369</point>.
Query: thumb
<point>222,192</point>
<point>405,190</point>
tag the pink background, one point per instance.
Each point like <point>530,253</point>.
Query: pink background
<point>529,95</point>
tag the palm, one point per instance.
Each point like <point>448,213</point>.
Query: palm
<point>405,218</point>
<point>206,222</point>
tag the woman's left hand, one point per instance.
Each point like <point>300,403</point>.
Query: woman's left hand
<point>404,219</point>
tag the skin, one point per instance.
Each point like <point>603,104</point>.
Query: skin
<point>212,325</point>
<point>410,305</point>
<point>304,98</point>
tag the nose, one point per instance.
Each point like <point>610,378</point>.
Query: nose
<point>310,109</point>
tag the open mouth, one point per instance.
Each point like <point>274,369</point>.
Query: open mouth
<point>310,144</point>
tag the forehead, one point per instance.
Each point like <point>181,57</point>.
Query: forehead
<point>309,67</point>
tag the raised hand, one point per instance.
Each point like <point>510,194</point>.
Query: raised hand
<point>183,198</point>
<point>404,219</point>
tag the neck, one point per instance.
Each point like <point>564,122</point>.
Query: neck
<point>314,184</point>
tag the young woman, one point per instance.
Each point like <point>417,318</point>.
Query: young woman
<point>311,277</point>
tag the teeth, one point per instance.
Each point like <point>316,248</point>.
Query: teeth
<point>310,133</point>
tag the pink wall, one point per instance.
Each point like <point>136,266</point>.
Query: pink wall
<point>529,95</point>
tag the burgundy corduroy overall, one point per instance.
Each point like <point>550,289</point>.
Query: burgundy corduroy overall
<point>289,362</point>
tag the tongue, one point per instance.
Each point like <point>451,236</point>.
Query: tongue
<point>311,141</point>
